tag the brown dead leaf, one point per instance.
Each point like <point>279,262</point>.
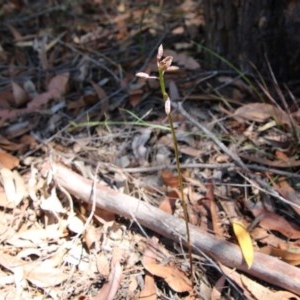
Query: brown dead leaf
<point>237,82</point>
<point>263,236</point>
<point>178,30</point>
<point>175,278</point>
<point>168,204</point>
<point>8,161</point>
<point>8,261</point>
<point>39,101</point>
<point>109,290</point>
<point>10,114</point>
<point>41,274</point>
<point>77,104</point>
<point>7,99</point>
<point>272,221</point>
<point>281,156</point>
<point>256,289</point>
<point>91,236</point>
<point>296,116</point>
<point>102,215</point>
<point>185,149</point>
<point>285,295</point>
<point>261,292</point>
<point>139,145</point>
<point>169,179</point>
<point>14,186</point>
<point>291,163</point>
<point>28,140</point>
<point>44,276</point>
<point>58,85</point>
<point>149,291</point>
<point>288,254</point>
<point>236,277</point>
<point>20,96</point>
<point>119,253</point>
<point>103,265</point>
<point>16,34</point>
<point>132,287</point>
<point>5,144</point>
<point>135,96</point>
<point>56,88</point>
<point>101,97</point>
<point>183,59</point>
<point>121,22</point>
<point>218,288</point>
<point>213,209</point>
<point>284,189</point>
<point>32,236</point>
<point>52,203</point>
<point>260,112</point>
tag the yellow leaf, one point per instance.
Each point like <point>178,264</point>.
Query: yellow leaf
<point>245,242</point>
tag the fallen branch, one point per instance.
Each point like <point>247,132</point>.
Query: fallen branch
<point>265,267</point>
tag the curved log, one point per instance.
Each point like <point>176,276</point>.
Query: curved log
<point>265,267</point>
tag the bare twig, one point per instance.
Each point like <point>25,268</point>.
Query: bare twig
<point>211,166</point>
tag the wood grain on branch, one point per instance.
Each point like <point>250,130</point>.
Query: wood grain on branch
<point>265,267</point>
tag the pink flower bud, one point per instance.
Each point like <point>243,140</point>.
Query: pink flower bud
<point>160,52</point>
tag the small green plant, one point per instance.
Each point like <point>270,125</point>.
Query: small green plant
<point>163,65</point>
<point>136,121</point>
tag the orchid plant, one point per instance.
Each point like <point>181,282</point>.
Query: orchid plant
<point>165,64</point>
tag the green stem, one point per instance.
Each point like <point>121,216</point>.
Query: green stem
<point>180,180</point>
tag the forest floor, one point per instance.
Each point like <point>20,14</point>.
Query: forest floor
<point>89,200</point>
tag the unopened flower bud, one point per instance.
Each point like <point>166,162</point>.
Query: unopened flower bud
<point>160,52</point>
<point>168,106</point>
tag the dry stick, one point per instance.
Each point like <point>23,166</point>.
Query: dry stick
<point>260,184</point>
<point>210,166</point>
<point>265,267</point>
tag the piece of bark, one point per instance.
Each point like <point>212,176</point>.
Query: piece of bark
<point>265,267</point>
